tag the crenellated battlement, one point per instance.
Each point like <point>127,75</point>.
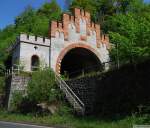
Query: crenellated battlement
<point>105,40</point>
<point>76,34</point>
<point>34,39</point>
<point>83,26</point>
<point>78,13</point>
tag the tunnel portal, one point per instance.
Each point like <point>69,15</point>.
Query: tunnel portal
<point>79,61</point>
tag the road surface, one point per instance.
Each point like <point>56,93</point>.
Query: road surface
<point>18,125</point>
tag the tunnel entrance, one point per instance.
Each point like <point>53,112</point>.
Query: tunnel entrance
<point>79,61</point>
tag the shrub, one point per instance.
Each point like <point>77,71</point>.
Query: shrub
<point>16,101</point>
<point>2,85</point>
<point>42,87</point>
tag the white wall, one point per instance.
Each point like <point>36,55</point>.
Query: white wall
<point>48,55</point>
<point>27,51</point>
<point>58,44</point>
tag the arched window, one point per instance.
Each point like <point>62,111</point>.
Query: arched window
<point>35,63</point>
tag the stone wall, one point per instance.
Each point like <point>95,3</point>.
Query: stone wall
<point>15,83</point>
<point>84,88</point>
<point>118,92</point>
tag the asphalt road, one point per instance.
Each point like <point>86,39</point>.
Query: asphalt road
<point>18,125</point>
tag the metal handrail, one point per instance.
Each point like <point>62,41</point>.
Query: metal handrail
<point>16,69</point>
<point>69,90</point>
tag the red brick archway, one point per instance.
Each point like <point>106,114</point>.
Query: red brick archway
<point>70,47</point>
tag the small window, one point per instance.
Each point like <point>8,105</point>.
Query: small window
<point>35,63</point>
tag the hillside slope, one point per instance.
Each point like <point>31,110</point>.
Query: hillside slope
<point>122,91</point>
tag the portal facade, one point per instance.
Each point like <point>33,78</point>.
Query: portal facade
<point>75,31</point>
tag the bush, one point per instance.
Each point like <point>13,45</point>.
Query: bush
<point>16,101</point>
<point>2,85</point>
<point>42,87</point>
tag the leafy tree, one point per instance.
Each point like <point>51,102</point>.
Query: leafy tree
<point>130,32</point>
<point>88,5</point>
<point>29,21</point>
<point>50,10</point>
<point>7,37</point>
<point>26,19</point>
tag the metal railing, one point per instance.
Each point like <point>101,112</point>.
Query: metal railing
<point>98,68</point>
<point>17,69</point>
<point>14,70</point>
<point>75,101</point>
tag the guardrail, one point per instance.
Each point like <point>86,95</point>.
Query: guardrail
<point>17,69</point>
<point>74,100</point>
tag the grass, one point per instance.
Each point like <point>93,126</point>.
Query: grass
<point>69,121</point>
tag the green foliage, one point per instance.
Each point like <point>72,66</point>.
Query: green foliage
<point>143,120</point>
<point>52,10</point>
<point>42,87</point>
<point>102,9</point>
<point>75,122</point>
<point>2,70</point>
<point>25,20</point>
<point>16,101</point>
<point>2,85</point>
<point>130,32</point>
<point>30,21</point>
<point>126,21</point>
<point>64,109</point>
<point>88,5</point>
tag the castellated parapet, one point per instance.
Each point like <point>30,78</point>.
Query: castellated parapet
<point>28,48</point>
<point>79,25</point>
<point>74,31</point>
<point>34,39</point>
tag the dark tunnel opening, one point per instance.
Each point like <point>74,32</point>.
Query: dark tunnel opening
<point>79,61</point>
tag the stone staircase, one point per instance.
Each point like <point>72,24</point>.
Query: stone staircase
<point>71,96</point>
<point>86,92</point>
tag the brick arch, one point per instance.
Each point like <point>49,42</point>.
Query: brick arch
<point>70,47</point>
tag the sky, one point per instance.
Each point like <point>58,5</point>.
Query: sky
<point>9,9</point>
